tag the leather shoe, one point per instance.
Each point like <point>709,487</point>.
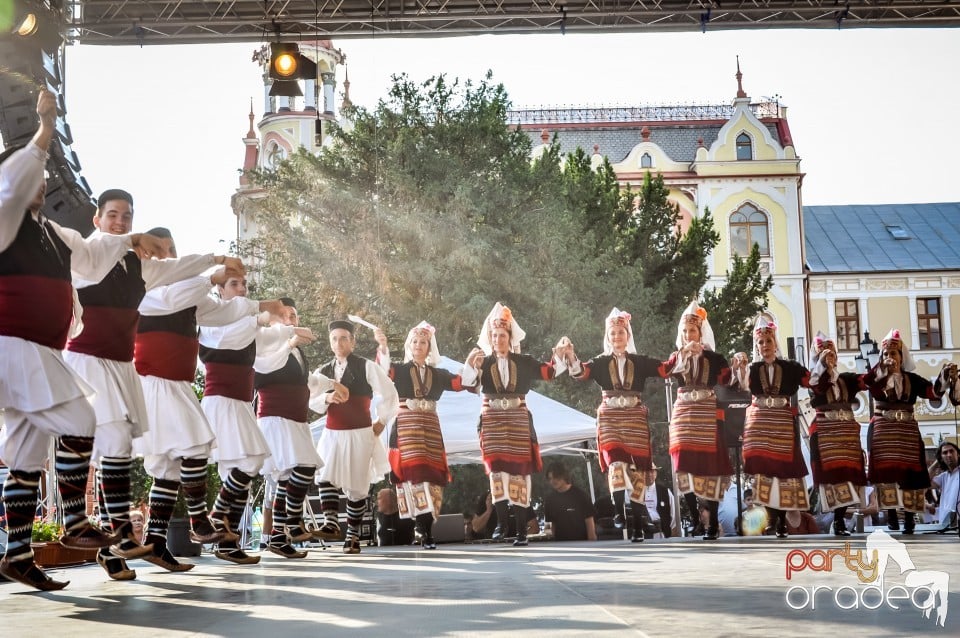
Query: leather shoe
<point>166,560</point>
<point>286,550</point>
<point>619,521</point>
<point>299,533</point>
<point>428,543</point>
<point>497,533</point>
<point>351,546</point>
<point>329,531</point>
<point>28,573</point>
<point>636,538</point>
<point>237,556</point>
<point>711,534</point>
<point>86,536</point>
<point>782,528</point>
<point>130,549</point>
<point>116,568</point>
<point>521,542</point>
<point>839,528</point>
<point>204,533</point>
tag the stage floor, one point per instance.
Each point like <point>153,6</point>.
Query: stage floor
<point>676,587</point>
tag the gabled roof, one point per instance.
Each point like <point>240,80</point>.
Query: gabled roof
<point>882,238</point>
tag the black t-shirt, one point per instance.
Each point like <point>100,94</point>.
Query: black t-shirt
<point>393,530</point>
<point>568,512</point>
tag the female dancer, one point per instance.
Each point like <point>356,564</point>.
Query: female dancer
<point>836,457</point>
<point>697,447</point>
<point>418,460</point>
<point>508,442</point>
<point>623,435</point>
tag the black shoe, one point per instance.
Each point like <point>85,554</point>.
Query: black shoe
<point>619,521</point>
<point>782,528</point>
<point>28,573</point>
<point>497,533</point>
<point>909,523</point>
<point>520,542</point>
<point>636,538</point>
<point>839,528</point>
<point>711,534</point>
<point>428,543</point>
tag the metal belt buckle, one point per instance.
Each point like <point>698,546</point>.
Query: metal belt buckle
<point>501,404</point>
<point>768,402</point>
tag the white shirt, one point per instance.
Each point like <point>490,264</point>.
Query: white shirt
<point>949,485</point>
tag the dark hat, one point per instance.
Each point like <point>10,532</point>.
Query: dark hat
<point>288,302</point>
<point>112,194</point>
<point>340,324</point>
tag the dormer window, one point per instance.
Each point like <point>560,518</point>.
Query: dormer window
<point>748,226</point>
<point>646,161</point>
<point>744,147</point>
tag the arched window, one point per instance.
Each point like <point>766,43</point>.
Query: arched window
<point>744,147</point>
<point>646,161</point>
<point>748,226</point>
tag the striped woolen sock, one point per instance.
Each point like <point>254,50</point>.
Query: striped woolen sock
<point>355,511</point>
<point>235,515</point>
<point>297,489</point>
<point>329,501</point>
<point>115,483</point>
<point>278,535</point>
<point>193,479</point>
<point>163,498</point>
<point>73,467</point>
<point>234,490</point>
<point>21,491</point>
<point>101,507</point>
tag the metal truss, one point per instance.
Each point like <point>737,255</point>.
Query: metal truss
<point>124,22</point>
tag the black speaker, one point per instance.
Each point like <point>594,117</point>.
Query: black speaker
<point>734,404</point>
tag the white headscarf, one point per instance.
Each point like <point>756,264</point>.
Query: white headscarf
<point>697,315</point>
<point>433,357</point>
<point>618,316</point>
<point>893,339</point>
<point>500,317</point>
<point>762,326</point>
<point>821,344</point>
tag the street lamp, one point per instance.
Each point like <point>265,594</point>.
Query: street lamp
<point>869,354</point>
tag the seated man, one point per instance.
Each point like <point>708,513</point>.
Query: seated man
<point>945,477</point>
<point>391,529</point>
<point>568,508</point>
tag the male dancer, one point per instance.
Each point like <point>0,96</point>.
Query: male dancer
<point>350,446</point>
<point>176,447</point>
<point>103,356</point>
<point>283,386</point>
<point>40,396</point>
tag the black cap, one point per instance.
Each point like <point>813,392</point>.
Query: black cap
<point>288,302</point>
<point>112,194</point>
<point>340,324</point>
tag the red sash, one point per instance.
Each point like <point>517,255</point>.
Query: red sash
<point>37,309</point>
<point>108,333</point>
<point>287,401</point>
<point>166,355</point>
<point>229,380</point>
<point>354,414</point>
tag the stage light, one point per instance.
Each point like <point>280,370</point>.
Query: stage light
<point>27,26</point>
<point>285,88</point>
<point>284,61</point>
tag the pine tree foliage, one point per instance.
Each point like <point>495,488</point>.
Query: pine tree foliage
<point>734,307</point>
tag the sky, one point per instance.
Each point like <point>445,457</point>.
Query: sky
<point>872,112</point>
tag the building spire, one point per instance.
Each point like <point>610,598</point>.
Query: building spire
<point>346,89</point>
<point>740,91</point>
<point>251,134</point>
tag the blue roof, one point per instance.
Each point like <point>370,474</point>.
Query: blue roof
<point>882,238</point>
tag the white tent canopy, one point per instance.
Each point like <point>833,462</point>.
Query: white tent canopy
<point>558,426</point>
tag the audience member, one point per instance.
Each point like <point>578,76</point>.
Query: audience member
<point>754,520</point>
<point>658,500</point>
<point>391,529</point>
<point>568,508</point>
<point>945,475</point>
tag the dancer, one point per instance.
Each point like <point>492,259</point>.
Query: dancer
<point>282,381</point>
<point>697,446</point>
<point>41,397</point>
<point>836,458</point>
<point>508,442</point>
<point>178,444</point>
<point>228,354</point>
<point>623,434</point>
<point>418,460</point>
<point>771,442</point>
<point>103,356</point>
<point>350,446</point>
<point>897,467</point>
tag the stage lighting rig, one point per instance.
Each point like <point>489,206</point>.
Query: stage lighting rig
<point>287,66</point>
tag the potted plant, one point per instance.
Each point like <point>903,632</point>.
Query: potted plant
<point>48,552</point>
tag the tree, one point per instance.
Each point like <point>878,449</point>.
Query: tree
<point>733,307</point>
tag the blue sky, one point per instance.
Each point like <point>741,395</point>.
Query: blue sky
<point>871,111</point>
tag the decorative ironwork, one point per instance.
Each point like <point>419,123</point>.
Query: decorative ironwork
<point>644,113</point>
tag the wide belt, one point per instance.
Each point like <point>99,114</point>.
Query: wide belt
<point>836,415</point>
<point>495,402</point>
<point>622,401</point>
<point>421,405</point>
<point>692,396</point>
<point>771,401</point>
<point>896,415</point>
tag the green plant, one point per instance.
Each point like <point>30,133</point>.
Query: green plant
<point>45,532</point>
